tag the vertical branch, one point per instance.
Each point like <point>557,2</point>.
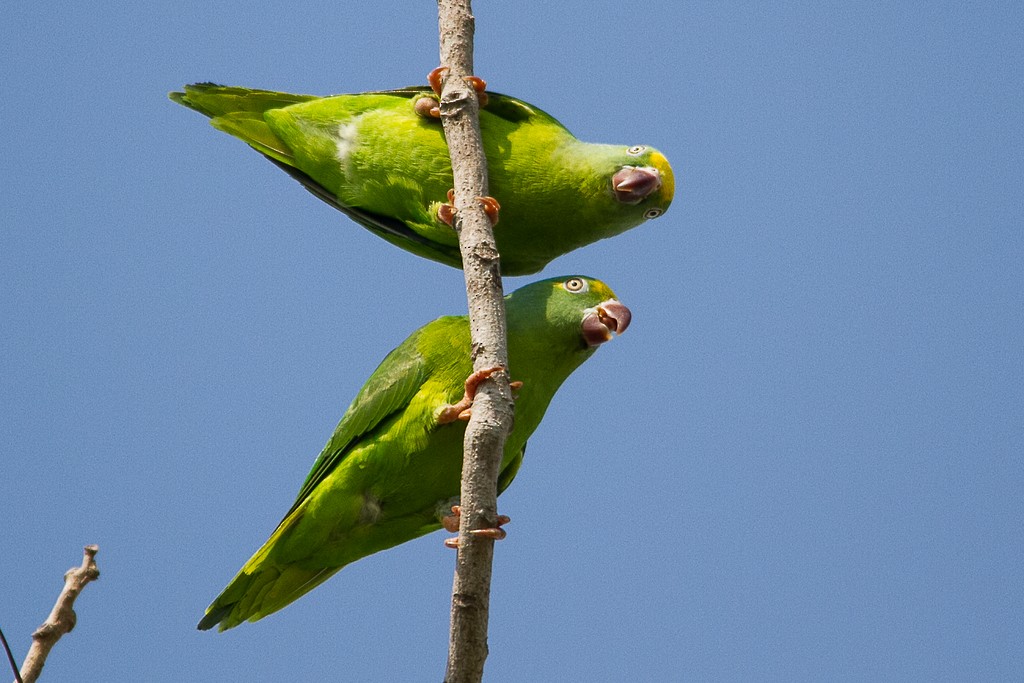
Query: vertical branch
<point>492,409</point>
<point>62,618</point>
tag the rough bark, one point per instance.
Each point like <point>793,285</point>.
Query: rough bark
<point>492,409</point>
<point>62,618</point>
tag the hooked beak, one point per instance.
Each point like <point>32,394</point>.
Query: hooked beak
<point>607,317</point>
<point>633,184</point>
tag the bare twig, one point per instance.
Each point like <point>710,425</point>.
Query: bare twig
<point>10,658</point>
<point>492,409</point>
<point>62,618</point>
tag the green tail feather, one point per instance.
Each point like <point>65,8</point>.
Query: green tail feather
<point>213,100</point>
<point>239,112</point>
<point>250,597</point>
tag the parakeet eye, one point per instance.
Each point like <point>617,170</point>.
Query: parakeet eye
<point>575,284</point>
<point>636,150</point>
<point>652,213</point>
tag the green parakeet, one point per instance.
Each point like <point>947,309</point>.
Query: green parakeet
<point>377,158</point>
<point>391,470</point>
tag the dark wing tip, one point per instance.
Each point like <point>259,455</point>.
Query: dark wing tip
<point>213,617</point>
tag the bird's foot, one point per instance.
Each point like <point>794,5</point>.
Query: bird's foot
<point>451,523</point>
<point>427,107</point>
<point>446,212</point>
<point>480,85</point>
<point>491,208</point>
<point>436,80</point>
<point>463,409</point>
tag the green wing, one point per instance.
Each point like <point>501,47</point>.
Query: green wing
<point>263,586</point>
<point>390,229</point>
<point>240,112</point>
<point>388,390</point>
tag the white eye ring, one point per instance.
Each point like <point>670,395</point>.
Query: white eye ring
<point>636,150</point>
<point>652,213</point>
<point>575,285</point>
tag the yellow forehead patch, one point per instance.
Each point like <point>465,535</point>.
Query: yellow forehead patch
<point>601,288</point>
<point>593,286</point>
<point>668,181</point>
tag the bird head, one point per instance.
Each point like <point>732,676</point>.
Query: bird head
<point>579,310</point>
<point>643,180</point>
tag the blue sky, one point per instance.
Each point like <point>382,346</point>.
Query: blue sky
<point>802,462</point>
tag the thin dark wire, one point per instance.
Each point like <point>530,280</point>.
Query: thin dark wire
<point>10,658</point>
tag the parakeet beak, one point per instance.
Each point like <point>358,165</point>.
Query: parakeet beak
<point>607,317</point>
<point>633,184</point>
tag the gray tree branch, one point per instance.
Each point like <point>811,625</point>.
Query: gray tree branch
<point>493,408</point>
<point>62,618</point>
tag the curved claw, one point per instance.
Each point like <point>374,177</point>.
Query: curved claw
<point>436,80</point>
<point>451,523</point>
<point>462,409</point>
<point>494,533</point>
<point>480,85</point>
<point>491,208</point>
<point>446,212</point>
